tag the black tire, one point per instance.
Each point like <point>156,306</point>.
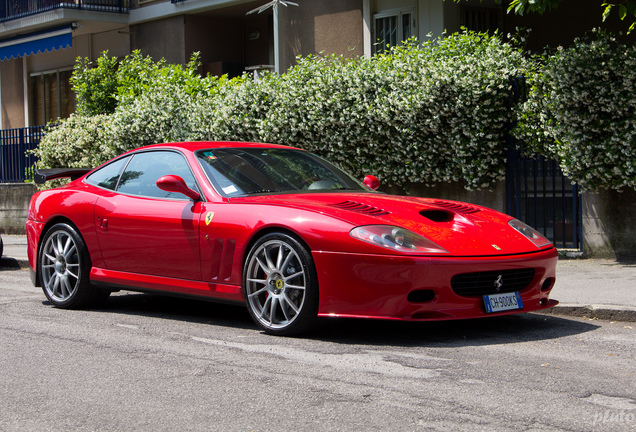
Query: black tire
<point>64,266</point>
<point>280,285</point>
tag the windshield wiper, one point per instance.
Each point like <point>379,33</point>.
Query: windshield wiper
<point>261,191</point>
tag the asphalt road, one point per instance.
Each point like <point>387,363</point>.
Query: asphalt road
<point>152,363</point>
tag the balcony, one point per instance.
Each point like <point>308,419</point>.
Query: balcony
<point>11,9</point>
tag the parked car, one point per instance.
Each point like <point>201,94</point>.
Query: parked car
<point>281,230</point>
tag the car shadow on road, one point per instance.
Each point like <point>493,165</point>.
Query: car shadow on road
<point>177,308</point>
<point>7,263</point>
<point>470,332</point>
<point>474,332</point>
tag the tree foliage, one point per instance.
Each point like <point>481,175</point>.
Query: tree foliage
<point>538,6</point>
<point>102,85</point>
<point>626,8</point>
<point>95,85</point>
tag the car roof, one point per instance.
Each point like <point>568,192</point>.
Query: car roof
<point>193,146</point>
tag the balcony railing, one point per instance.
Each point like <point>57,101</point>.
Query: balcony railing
<point>12,9</point>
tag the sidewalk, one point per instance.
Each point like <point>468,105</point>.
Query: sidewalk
<point>593,288</point>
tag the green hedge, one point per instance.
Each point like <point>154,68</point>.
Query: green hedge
<point>422,113</point>
<point>581,111</point>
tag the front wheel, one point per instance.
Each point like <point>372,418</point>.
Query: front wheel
<point>64,266</point>
<point>280,285</point>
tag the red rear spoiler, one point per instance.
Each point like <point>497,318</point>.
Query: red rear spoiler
<point>43,175</point>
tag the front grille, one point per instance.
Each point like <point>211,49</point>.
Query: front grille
<point>491,282</point>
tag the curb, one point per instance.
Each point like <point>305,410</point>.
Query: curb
<point>601,312</point>
<point>571,254</point>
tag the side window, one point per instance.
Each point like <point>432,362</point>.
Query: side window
<point>480,19</point>
<point>393,27</point>
<point>143,171</point>
<point>108,176</point>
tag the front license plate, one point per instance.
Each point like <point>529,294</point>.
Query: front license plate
<point>503,302</point>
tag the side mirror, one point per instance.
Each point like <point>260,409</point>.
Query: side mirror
<point>173,183</point>
<point>372,182</point>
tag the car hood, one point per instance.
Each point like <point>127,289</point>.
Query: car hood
<point>460,228</point>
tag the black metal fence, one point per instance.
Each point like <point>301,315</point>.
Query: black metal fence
<point>16,165</point>
<point>12,9</point>
<point>541,196</point>
<point>538,193</point>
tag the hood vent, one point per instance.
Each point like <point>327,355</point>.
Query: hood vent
<point>361,208</point>
<point>438,215</point>
<point>455,207</point>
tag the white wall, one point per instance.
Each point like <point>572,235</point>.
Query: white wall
<point>430,17</point>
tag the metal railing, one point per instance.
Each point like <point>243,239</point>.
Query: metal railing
<point>12,9</point>
<point>545,199</point>
<point>16,165</point>
<point>537,192</point>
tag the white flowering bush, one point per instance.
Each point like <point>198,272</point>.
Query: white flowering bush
<point>581,110</point>
<point>77,142</point>
<point>160,114</point>
<point>237,111</point>
<point>421,113</point>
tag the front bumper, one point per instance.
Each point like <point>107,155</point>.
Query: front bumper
<point>378,286</point>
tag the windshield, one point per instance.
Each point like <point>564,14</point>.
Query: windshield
<point>246,171</point>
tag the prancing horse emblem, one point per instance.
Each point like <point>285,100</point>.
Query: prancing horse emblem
<point>499,283</point>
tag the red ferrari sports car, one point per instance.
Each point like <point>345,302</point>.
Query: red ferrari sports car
<point>281,230</point>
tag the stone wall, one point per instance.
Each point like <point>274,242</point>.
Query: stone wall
<point>14,203</point>
<point>609,225</point>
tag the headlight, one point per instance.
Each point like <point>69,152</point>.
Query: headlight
<point>530,233</point>
<point>395,238</point>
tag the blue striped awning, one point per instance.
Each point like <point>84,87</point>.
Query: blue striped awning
<point>34,43</point>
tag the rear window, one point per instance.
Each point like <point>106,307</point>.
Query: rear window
<point>108,176</point>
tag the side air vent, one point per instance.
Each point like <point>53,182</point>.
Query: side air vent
<point>360,208</point>
<point>437,215</point>
<point>455,207</point>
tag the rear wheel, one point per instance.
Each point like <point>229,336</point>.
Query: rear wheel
<point>64,266</point>
<point>280,285</point>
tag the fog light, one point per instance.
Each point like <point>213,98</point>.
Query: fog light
<point>547,284</point>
